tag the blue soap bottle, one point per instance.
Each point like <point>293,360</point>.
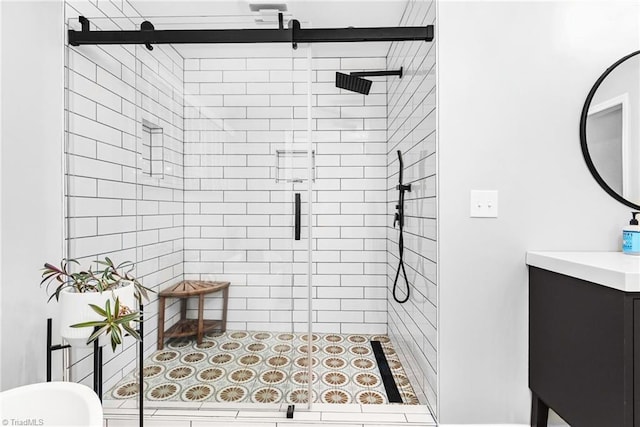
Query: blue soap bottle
<point>631,237</point>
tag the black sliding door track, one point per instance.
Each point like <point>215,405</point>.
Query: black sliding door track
<point>292,35</point>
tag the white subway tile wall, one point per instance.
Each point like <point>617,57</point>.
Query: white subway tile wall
<point>115,209</point>
<point>239,220</point>
<point>412,129</point>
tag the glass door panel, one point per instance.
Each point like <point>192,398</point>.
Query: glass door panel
<point>241,171</point>
<point>193,162</point>
<point>101,183</point>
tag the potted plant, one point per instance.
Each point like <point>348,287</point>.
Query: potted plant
<point>104,299</point>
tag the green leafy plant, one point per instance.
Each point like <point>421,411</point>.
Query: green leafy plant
<point>109,277</point>
<point>113,323</point>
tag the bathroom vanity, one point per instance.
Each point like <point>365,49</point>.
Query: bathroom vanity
<point>584,338</point>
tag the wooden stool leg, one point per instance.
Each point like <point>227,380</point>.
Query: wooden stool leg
<point>161,301</point>
<point>183,308</point>
<point>225,304</point>
<point>200,318</point>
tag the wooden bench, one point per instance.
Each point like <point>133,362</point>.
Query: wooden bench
<point>187,327</point>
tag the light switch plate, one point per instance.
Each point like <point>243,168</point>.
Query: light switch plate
<point>484,204</point>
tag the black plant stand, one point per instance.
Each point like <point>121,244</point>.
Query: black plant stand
<point>97,364</point>
<point>97,360</point>
<point>51,349</point>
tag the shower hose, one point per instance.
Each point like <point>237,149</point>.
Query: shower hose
<point>400,219</point>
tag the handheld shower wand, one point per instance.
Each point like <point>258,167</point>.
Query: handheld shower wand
<point>399,219</point>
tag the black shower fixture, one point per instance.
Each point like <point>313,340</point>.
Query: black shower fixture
<point>355,83</point>
<point>399,220</point>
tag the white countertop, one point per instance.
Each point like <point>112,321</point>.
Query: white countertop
<point>612,269</point>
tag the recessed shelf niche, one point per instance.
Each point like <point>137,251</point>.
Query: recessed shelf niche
<point>152,150</point>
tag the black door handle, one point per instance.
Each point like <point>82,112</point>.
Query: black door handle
<point>297,218</point>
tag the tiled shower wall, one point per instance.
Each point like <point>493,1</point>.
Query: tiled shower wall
<point>239,220</point>
<point>412,129</point>
<point>115,209</point>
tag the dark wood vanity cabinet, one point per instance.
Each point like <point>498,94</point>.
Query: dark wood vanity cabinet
<point>584,351</point>
<point>636,361</point>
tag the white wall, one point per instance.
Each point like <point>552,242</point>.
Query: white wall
<point>512,80</point>
<point>31,169</point>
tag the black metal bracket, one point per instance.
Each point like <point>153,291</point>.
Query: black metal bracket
<point>147,26</point>
<point>290,410</point>
<point>85,23</point>
<point>404,187</point>
<point>294,27</point>
<point>280,21</point>
<point>147,35</point>
<point>378,73</point>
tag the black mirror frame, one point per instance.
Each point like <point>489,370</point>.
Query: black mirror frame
<point>583,134</point>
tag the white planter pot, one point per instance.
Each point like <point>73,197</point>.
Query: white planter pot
<point>74,308</point>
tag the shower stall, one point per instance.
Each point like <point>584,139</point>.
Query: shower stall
<point>244,163</point>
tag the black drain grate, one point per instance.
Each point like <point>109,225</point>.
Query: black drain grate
<point>393,394</point>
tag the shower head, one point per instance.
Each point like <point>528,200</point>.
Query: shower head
<point>353,83</point>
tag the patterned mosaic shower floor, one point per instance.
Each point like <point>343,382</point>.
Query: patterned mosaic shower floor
<point>267,367</point>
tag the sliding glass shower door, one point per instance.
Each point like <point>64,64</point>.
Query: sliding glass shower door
<point>195,163</point>
<point>235,176</point>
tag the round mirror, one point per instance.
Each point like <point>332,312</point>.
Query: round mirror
<point>610,130</point>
